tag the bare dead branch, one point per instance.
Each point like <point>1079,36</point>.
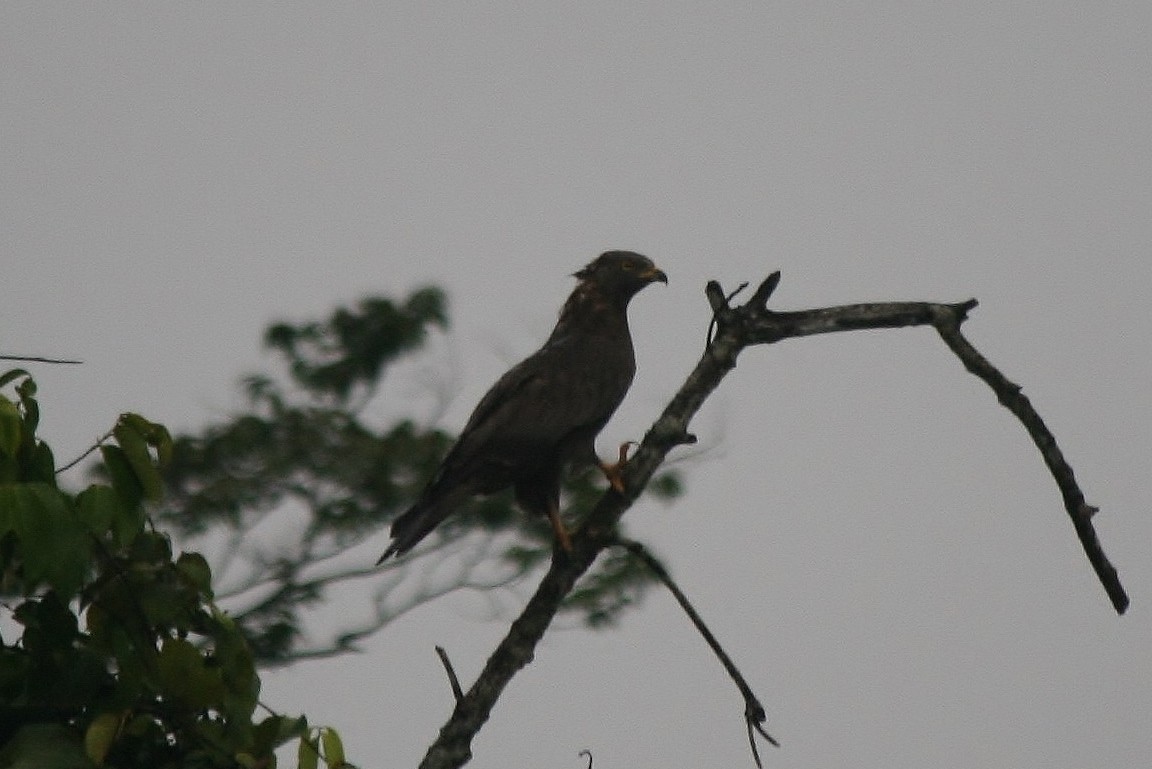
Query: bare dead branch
<point>766,327</point>
<point>720,304</point>
<point>452,747</point>
<point>764,291</point>
<point>754,715</point>
<point>1012,397</point>
<point>737,328</point>
<point>453,681</point>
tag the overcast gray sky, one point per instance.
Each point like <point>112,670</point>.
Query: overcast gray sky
<point>873,538</point>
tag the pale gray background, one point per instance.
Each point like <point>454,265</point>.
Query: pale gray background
<point>872,536</point>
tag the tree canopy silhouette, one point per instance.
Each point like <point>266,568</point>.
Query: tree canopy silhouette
<point>281,494</point>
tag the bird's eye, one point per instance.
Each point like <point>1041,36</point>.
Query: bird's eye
<point>628,266</point>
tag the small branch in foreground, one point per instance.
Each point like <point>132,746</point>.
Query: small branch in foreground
<point>754,715</point>
<point>453,681</point>
<point>34,359</point>
<point>99,442</point>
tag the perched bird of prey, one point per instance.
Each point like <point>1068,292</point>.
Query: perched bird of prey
<point>545,413</point>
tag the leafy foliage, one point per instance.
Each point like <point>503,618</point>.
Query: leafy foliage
<point>302,461</point>
<point>124,656</point>
<point>123,659</point>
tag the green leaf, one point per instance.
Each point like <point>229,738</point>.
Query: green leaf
<point>27,392</point>
<point>54,546</point>
<point>50,629</point>
<point>156,435</point>
<point>44,746</point>
<point>98,506</point>
<point>133,441</point>
<point>238,671</point>
<point>185,676</point>
<point>9,469</point>
<point>13,374</point>
<point>11,427</point>
<point>306,755</point>
<point>333,747</point>
<point>27,388</point>
<point>275,731</point>
<point>667,485</point>
<point>150,550</point>
<point>195,570</point>
<point>42,465</point>
<point>161,440</point>
<point>129,520</point>
<point>100,735</point>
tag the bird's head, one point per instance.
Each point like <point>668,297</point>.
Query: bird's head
<point>620,274</point>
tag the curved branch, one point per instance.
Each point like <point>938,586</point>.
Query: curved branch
<point>754,715</point>
<point>1013,399</point>
<point>737,328</point>
<point>450,671</point>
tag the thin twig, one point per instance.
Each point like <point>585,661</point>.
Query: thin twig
<point>453,681</point>
<point>589,754</point>
<point>99,442</point>
<point>34,359</point>
<point>754,714</point>
<point>720,305</point>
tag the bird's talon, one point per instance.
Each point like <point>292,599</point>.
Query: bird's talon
<point>615,472</point>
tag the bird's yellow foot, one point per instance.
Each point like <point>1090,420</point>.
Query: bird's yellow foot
<point>558,529</point>
<point>615,472</point>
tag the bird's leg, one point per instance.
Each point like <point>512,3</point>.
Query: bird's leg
<point>558,526</point>
<point>615,472</point>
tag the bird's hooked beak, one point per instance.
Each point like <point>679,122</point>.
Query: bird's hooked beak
<point>622,262</point>
<point>654,274</point>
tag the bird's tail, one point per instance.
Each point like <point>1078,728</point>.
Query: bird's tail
<point>418,522</point>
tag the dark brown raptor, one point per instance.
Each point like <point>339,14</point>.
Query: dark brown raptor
<point>544,414</point>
